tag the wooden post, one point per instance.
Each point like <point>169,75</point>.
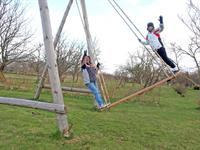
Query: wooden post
<point>58,108</point>
<point>42,79</point>
<point>147,89</point>
<point>52,65</point>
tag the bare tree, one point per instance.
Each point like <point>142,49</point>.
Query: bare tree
<point>177,54</point>
<point>75,69</point>
<point>121,75</point>
<point>36,62</point>
<point>141,69</point>
<point>14,35</point>
<point>68,56</point>
<point>192,22</point>
<point>96,51</point>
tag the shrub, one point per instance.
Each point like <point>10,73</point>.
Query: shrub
<point>180,89</point>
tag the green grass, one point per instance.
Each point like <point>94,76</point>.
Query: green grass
<point>171,124</point>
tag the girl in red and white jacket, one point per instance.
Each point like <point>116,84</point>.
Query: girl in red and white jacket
<point>153,39</point>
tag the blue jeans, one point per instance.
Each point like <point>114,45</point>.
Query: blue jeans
<point>92,86</point>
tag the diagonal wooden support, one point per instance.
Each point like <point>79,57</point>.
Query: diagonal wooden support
<point>147,89</point>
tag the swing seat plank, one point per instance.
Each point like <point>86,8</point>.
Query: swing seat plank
<point>144,90</point>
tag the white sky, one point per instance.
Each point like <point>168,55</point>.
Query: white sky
<point>115,38</point>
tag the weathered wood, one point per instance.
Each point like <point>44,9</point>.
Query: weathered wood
<point>71,89</point>
<point>40,84</point>
<point>42,79</point>
<point>105,88</point>
<point>102,88</point>
<point>147,89</point>
<point>33,104</point>
<point>52,65</point>
<point>194,83</point>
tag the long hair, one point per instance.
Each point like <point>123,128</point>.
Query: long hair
<point>90,62</point>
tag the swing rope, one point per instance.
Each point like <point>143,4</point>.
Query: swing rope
<point>123,19</point>
<point>128,18</point>
<point>165,65</point>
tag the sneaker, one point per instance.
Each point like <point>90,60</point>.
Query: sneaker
<point>103,106</point>
<point>175,70</point>
<point>106,105</point>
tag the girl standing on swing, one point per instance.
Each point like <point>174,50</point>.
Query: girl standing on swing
<point>153,39</point>
<point>89,72</point>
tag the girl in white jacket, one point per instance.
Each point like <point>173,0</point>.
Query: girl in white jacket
<point>153,39</point>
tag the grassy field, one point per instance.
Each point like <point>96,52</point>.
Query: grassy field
<point>170,122</point>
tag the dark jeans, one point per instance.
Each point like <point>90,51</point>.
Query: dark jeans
<point>161,51</point>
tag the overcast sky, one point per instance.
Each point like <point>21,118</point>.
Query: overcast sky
<point>115,38</point>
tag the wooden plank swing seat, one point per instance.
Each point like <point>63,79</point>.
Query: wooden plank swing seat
<point>142,91</point>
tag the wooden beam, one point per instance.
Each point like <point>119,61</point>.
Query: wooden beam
<point>71,89</point>
<point>147,89</point>
<point>33,104</point>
